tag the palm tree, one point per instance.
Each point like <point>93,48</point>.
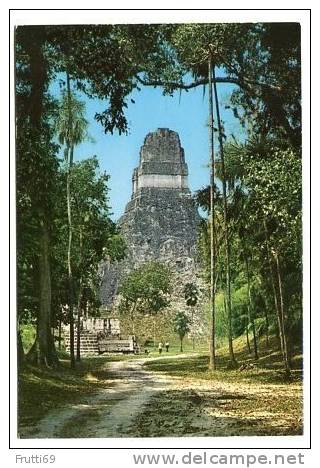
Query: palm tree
<point>226,221</point>
<point>71,128</point>
<point>181,326</point>
<point>191,294</point>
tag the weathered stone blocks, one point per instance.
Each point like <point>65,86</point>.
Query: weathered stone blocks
<point>160,221</point>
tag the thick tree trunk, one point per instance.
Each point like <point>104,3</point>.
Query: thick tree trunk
<point>212,346</point>
<point>226,226</point>
<point>251,319</point>
<point>43,351</point>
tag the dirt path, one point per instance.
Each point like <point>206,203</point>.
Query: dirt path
<point>110,412</point>
<point>140,403</point>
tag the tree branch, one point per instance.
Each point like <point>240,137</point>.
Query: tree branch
<point>242,83</point>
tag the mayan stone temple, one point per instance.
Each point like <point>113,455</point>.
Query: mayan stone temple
<point>160,221</point>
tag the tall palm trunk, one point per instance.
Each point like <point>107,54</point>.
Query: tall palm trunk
<point>78,353</point>
<point>70,275</point>
<point>226,225</point>
<point>79,311</point>
<point>250,317</point>
<point>212,363</point>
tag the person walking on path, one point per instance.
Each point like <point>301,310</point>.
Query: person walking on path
<point>167,346</point>
<point>160,347</point>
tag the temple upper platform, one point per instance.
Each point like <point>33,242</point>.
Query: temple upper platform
<point>162,163</point>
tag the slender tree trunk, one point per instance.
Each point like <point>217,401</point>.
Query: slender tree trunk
<point>78,355</point>
<point>181,348</point>
<point>226,226</point>
<point>283,316</point>
<point>274,289</point>
<point>266,316</point>
<point>250,317</point>
<point>20,356</point>
<point>60,334</point>
<point>247,336</point>
<point>212,363</point>
<point>286,363</point>
<point>70,275</point>
<point>132,318</point>
<point>192,317</point>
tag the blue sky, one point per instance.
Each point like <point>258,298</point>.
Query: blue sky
<point>186,114</point>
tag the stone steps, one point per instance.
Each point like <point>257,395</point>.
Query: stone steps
<point>88,343</point>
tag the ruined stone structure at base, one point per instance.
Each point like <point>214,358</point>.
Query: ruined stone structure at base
<point>101,335</point>
<point>160,222</point>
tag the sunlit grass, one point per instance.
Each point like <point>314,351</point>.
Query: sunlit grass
<point>268,368</point>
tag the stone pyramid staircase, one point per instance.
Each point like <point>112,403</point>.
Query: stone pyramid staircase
<point>88,343</point>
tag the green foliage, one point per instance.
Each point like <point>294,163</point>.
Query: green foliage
<point>146,289</point>
<point>258,57</point>
<point>95,235</point>
<point>264,198</point>
<point>28,335</point>
<point>181,325</point>
<point>36,173</point>
<point>71,125</point>
<point>194,42</point>
<point>191,294</point>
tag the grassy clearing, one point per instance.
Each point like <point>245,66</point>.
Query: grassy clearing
<point>267,369</point>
